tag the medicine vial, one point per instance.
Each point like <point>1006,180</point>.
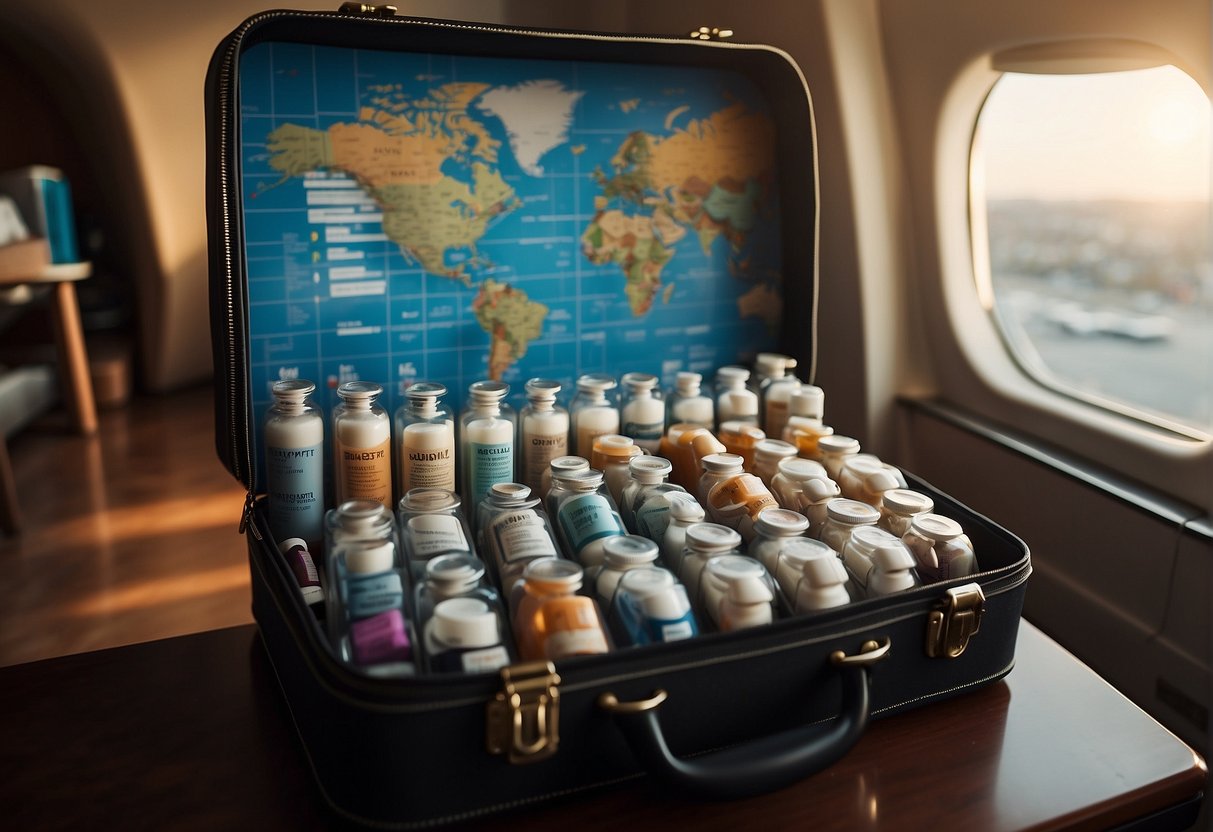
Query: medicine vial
<point>735,401</point>
<point>620,554</point>
<point>515,531</point>
<point>843,517</point>
<point>431,524</point>
<point>559,466</point>
<point>899,506</point>
<point>592,412</point>
<point>486,429</point>
<point>294,463</point>
<point>450,576</point>
<point>822,586</point>
<point>464,635</point>
<point>774,528</point>
<point>684,512</point>
<point>551,621</point>
<point>362,437</point>
<point>687,403</point>
<point>650,607</point>
<point>741,438</point>
<point>425,440</point>
<point>543,428</point>
<point>736,593</point>
<point>643,410</point>
<point>865,478</point>
<point>776,383</point>
<point>704,541</point>
<point>892,570</point>
<point>585,517</point>
<point>738,502</point>
<point>307,577</point>
<point>647,477</point>
<point>612,454</point>
<point>717,468</point>
<point>802,485</point>
<point>804,426</point>
<point>834,451</point>
<point>858,553</point>
<point>768,453</point>
<point>791,561</point>
<point>676,446</point>
<point>940,548</point>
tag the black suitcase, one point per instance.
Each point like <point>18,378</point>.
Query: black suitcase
<point>720,715</point>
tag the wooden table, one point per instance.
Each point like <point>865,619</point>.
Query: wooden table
<point>187,733</point>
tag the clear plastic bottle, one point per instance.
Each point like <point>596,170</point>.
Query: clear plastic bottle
<point>685,511</point>
<point>362,440</point>
<point>514,531</point>
<point>558,466</point>
<point>465,635</point>
<point>704,541</point>
<point>842,518</point>
<point>647,476</point>
<point>804,427</point>
<point>776,383</point>
<point>790,564</point>
<point>774,528</point>
<point>741,438</point>
<point>834,450</point>
<point>294,463</point>
<point>688,404</point>
<point>431,524</point>
<point>865,478</point>
<point>738,501</point>
<point>551,621</point>
<point>803,485</point>
<point>823,586</point>
<point>620,554</point>
<point>612,454</point>
<point>735,401</point>
<point>899,506</point>
<point>593,412</point>
<point>486,430</point>
<point>543,432</point>
<point>940,548</point>
<point>736,593</point>
<point>651,607</point>
<point>716,469</point>
<point>299,560</point>
<point>892,570</point>
<point>586,516</point>
<point>425,440</point>
<point>451,576</point>
<point>366,613</point>
<point>857,555</point>
<point>679,453</point>
<point>643,410</point>
<point>767,455</point>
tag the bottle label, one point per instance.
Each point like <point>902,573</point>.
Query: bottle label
<point>653,518</point>
<point>372,594</point>
<point>427,467</point>
<point>490,464</point>
<point>540,450</point>
<point>586,518</point>
<point>366,473</point>
<point>521,535</point>
<point>572,628</point>
<point>645,434</point>
<point>665,629</point>
<point>295,482</point>
<point>434,534</point>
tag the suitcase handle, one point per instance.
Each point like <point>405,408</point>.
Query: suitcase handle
<point>762,765</point>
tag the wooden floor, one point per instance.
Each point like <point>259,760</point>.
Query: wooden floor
<point>129,535</point>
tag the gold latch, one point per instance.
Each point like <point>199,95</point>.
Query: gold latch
<point>367,9</point>
<point>523,720</point>
<point>710,33</point>
<point>949,629</point>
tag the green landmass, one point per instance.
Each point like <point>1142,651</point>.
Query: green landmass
<point>512,321</point>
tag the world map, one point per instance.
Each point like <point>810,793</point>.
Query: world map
<point>581,216</point>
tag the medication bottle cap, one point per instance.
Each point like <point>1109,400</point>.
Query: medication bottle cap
<point>460,569</point>
<point>685,508</point>
<point>359,390</point>
<point>638,382</point>
<point>649,469</point>
<point>425,390</point>
<point>370,560</point>
<point>542,389</point>
<point>807,402</point>
<point>868,538</point>
<point>712,537</point>
<point>688,383</point>
<point>600,382</point>
<point>363,517</point>
<point>935,527</point>
<point>702,442</point>
<point>558,572</point>
<point>774,449</point>
<point>837,443</point>
<point>508,492</point>
<point>295,388</point>
<point>795,468</point>
<point>488,391</point>
<point>773,364</point>
<point>428,500</point>
<point>290,543</point>
<point>732,375</point>
<point>892,556</point>
<point>905,501</point>
<point>851,511</point>
<point>824,571</point>
<point>722,463</point>
<point>780,522</point>
<point>569,463</point>
<point>799,550</point>
<point>629,550</point>
<point>465,623</point>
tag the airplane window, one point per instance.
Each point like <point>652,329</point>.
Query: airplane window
<point>1091,233</point>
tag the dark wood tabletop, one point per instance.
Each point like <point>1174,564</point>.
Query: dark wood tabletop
<point>187,733</point>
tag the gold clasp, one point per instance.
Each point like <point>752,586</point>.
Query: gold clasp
<point>949,629</point>
<point>523,720</point>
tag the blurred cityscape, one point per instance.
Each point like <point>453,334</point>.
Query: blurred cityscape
<point>1112,298</point>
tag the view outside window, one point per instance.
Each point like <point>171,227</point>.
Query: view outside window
<point>1096,193</point>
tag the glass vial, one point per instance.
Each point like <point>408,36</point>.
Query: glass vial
<point>899,506</point>
<point>543,432</point>
<point>834,451</point>
<point>842,518</point>
<point>294,463</point>
<point>688,403</point>
<point>704,542</point>
<point>684,512</point>
<point>643,410</point>
<point>620,554</point>
<point>776,383</point>
<point>592,412</point>
<point>431,524</point>
<point>647,477</point>
<point>515,531</point>
<point>940,547</point>
<point>651,607</point>
<point>362,438</point>
<point>465,635</point>
<point>586,517</point>
<point>736,593</point>
<point>612,454</point>
<point>774,528</point>
<point>425,440</point>
<point>551,621</point>
<point>767,455</point>
<point>735,401</point>
<point>486,429</point>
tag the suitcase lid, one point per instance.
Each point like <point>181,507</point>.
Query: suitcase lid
<point>399,199</point>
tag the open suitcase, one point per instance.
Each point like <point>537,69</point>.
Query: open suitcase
<point>297,100</point>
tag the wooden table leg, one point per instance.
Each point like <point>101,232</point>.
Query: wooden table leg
<point>69,337</point>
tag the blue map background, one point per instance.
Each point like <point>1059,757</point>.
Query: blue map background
<point>421,326</point>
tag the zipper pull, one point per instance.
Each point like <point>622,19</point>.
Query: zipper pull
<point>710,33</point>
<point>367,9</point>
<point>246,516</point>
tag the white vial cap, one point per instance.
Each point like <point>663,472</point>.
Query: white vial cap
<point>773,364</point>
<point>505,492</point>
<point>838,444</point>
<point>553,570</point>
<point>797,469</point>
<point>774,449</point>
<point>370,560</point>
<point>936,527</point>
<point>723,463</point>
<point>600,382</point>
<point>712,537</point>
<point>290,543</point>
<point>808,401</point>
<point>684,508</point>
<point>800,550</point>
<point>360,516</point>
<point>851,511</point>
<point>892,557</point>
<point>629,550</point>
<point>353,391</point>
<point>465,622</point>
<point>743,403</point>
<point>869,537</point>
<point>542,389</point>
<point>569,463</point>
<point>292,390</point>
<point>781,522</point>
<point>460,569</point>
<point>425,390</point>
<point>688,383</point>
<point>488,391</point>
<point>649,470</point>
<point>905,501</point>
<point>427,500</point>
<point>585,479</point>
<point>732,376</point>
<point>638,382</point>
<point>825,571</point>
